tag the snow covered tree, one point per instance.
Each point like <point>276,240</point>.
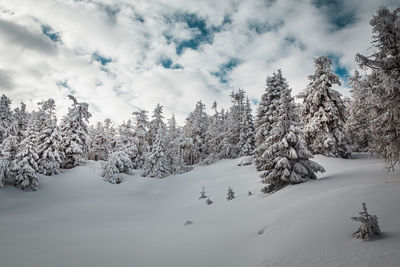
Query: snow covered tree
<point>369,225</point>
<point>75,137</point>
<point>215,136</point>
<point>324,113</point>
<point>127,141</point>
<point>358,125</point>
<point>196,129</point>
<point>5,170</point>
<point>231,194</point>
<point>157,164</point>
<point>48,140</point>
<point>141,130</point>
<point>267,115</point>
<point>155,124</point>
<point>103,140</point>
<point>25,164</point>
<point>246,137</point>
<point>118,162</point>
<point>6,116</point>
<point>282,155</point>
<point>203,193</point>
<point>384,66</point>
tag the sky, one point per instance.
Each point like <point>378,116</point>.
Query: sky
<point>121,55</point>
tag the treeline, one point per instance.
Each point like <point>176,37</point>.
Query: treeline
<point>282,137</point>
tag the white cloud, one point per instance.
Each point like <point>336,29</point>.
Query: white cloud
<point>132,35</point>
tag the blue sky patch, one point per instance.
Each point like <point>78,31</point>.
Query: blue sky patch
<point>51,33</point>
<point>339,69</point>
<point>167,63</point>
<point>103,60</point>
<point>262,27</point>
<point>202,33</point>
<point>337,13</point>
<point>225,69</point>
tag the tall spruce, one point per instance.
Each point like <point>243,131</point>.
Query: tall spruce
<point>384,67</point>
<point>324,113</point>
<point>75,137</point>
<point>282,155</point>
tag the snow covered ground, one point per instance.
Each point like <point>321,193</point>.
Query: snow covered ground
<point>77,219</point>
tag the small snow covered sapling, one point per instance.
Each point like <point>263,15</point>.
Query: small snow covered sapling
<point>369,225</point>
<point>250,193</point>
<point>209,201</point>
<point>231,194</point>
<point>203,193</point>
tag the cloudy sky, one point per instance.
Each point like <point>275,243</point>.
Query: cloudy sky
<point>121,55</point>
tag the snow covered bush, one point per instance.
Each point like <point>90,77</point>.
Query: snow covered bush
<point>203,193</point>
<point>282,154</point>
<point>119,162</point>
<point>157,164</point>
<point>369,225</point>
<point>324,114</point>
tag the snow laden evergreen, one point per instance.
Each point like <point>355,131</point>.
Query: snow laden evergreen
<point>155,124</point>
<point>141,130</point>
<point>267,115</point>
<point>203,193</point>
<point>384,67</point>
<point>118,162</point>
<point>5,170</point>
<point>127,142</point>
<point>324,114</point>
<point>25,166</point>
<point>369,225</point>
<point>157,162</point>
<point>247,135</point>
<point>75,137</point>
<point>215,136</point>
<point>6,116</point>
<point>196,130</point>
<point>176,145</point>
<point>102,140</point>
<point>49,140</point>
<point>282,155</point>
<point>231,194</point>
<point>358,125</point>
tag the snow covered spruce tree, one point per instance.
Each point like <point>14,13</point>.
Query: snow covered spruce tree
<point>384,65</point>
<point>369,225</point>
<point>215,136</point>
<point>141,130</point>
<point>75,137</point>
<point>6,116</point>
<point>157,164</point>
<point>25,166</point>
<point>49,140</point>
<point>102,140</point>
<point>358,125</point>
<point>118,162</point>
<point>324,114</point>
<point>282,154</point>
<point>246,137</point>
<point>127,142</point>
<point>196,129</point>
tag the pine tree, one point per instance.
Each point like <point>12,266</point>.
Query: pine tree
<point>246,137</point>
<point>155,124</point>
<point>231,194</point>
<point>215,136</point>
<point>127,141</point>
<point>284,157</point>
<point>118,162</point>
<point>141,130</point>
<point>267,115</point>
<point>102,142</point>
<point>157,162</point>
<point>6,116</point>
<point>5,171</point>
<point>384,65</point>
<point>203,193</point>
<point>196,129</point>
<point>358,125</point>
<point>49,139</point>
<point>25,163</point>
<point>369,225</point>
<point>75,137</point>
<point>324,113</point>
